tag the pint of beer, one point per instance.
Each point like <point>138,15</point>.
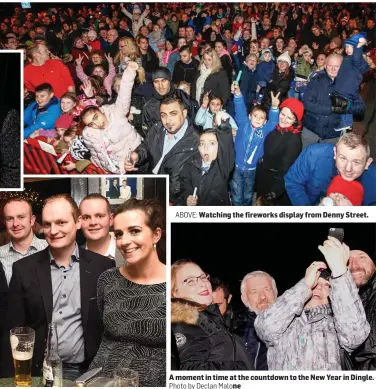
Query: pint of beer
<point>22,344</point>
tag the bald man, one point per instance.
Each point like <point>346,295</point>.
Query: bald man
<point>363,270</point>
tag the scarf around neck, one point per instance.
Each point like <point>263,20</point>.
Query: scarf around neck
<point>204,73</point>
<point>293,130</point>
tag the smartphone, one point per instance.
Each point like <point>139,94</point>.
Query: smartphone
<point>337,233</point>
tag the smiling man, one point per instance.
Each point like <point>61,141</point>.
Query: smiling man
<point>258,292</point>
<point>58,284</point>
<point>309,177</point>
<point>363,270</point>
<point>19,221</point>
<point>96,221</point>
<point>308,326</point>
<point>168,145</point>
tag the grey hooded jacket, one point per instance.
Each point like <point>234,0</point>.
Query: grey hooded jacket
<point>299,339</point>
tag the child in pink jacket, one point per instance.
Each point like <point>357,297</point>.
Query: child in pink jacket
<point>98,70</point>
<point>108,134</point>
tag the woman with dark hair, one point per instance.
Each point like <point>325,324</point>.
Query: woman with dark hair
<point>132,298</point>
<point>209,170</point>
<point>281,148</point>
<point>203,340</point>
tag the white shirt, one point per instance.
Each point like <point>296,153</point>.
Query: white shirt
<point>110,253</point>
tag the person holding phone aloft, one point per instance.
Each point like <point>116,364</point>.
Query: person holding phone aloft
<point>306,328</point>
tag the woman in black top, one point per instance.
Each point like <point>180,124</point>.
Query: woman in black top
<point>281,148</point>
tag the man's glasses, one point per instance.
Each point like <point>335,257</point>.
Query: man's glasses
<point>192,281</point>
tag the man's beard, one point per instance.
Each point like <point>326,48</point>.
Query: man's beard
<point>366,276</point>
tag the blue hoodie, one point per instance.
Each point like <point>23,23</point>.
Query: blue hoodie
<point>249,141</point>
<point>45,118</point>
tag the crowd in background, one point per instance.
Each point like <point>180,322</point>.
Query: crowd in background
<point>228,99</point>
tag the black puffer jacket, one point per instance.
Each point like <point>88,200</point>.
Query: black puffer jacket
<point>212,186</point>
<point>150,153</point>
<point>151,110</point>
<point>280,82</point>
<point>365,356</point>
<point>203,340</point>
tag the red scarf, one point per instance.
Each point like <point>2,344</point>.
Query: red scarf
<point>293,130</point>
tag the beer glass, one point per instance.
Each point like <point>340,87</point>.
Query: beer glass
<point>22,344</point>
<point>125,378</point>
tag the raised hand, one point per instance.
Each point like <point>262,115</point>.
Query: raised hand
<point>79,60</point>
<point>205,99</point>
<point>236,89</point>
<point>336,254</point>
<point>109,58</point>
<point>275,100</point>
<point>87,88</point>
<point>312,273</point>
<point>132,66</point>
<point>69,166</point>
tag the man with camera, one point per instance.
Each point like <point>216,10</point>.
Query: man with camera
<point>323,313</point>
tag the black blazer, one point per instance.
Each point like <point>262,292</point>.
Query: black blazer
<point>30,304</point>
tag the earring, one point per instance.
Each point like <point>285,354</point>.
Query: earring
<point>154,245</point>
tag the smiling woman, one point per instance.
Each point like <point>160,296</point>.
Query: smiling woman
<point>132,298</point>
<point>202,339</point>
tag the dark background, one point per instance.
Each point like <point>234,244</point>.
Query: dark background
<point>10,79</point>
<point>231,250</point>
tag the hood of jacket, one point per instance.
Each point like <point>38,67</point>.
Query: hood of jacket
<point>184,311</point>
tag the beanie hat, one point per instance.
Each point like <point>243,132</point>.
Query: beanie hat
<point>161,73</point>
<point>355,39</point>
<point>295,106</point>
<point>353,190</point>
<point>136,10</point>
<point>285,57</point>
<point>337,41</point>
<point>40,37</point>
<point>64,121</point>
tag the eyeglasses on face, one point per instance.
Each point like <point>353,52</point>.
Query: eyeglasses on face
<point>192,281</point>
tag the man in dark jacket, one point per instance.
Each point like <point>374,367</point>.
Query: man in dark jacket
<point>258,292</point>
<point>164,88</point>
<point>185,69</point>
<point>322,113</point>
<point>167,146</point>
<point>363,271</point>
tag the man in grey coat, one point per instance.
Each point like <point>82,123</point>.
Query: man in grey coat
<point>309,323</point>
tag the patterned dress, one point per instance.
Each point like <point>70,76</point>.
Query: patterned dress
<point>134,328</point>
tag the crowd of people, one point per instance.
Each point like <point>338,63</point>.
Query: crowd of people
<point>232,101</point>
<point>107,296</point>
<point>327,321</point>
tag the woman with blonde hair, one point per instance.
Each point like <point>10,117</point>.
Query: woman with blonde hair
<point>202,339</point>
<point>211,78</point>
<point>128,51</point>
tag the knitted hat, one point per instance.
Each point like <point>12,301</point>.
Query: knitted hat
<point>295,106</point>
<point>40,37</point>
<point>64,121</point>
<point>285,57</point>
<point>353,190</point>
<point>161,73</point>
<point>355,39</point>
<point>136,10</point>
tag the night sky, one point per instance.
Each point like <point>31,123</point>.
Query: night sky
<point>231,250</point>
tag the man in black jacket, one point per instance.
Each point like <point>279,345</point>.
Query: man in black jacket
<point>258,292</point>
<point>363,271</point>
<point>164,88</point>
<point>167,146</point>
<point>57,284</point>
